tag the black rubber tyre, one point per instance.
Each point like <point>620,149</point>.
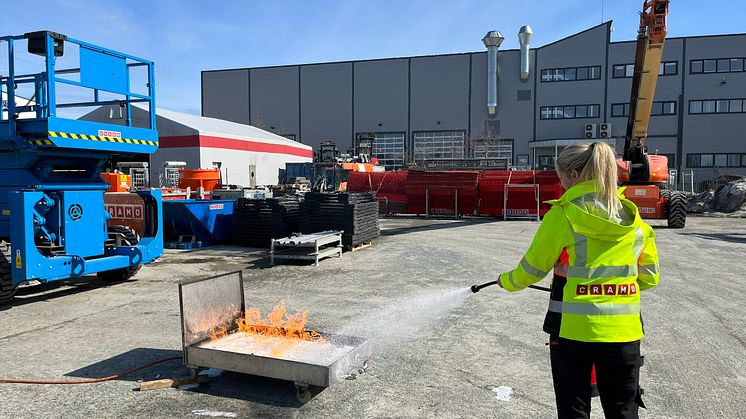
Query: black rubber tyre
<point>677,210</point>
<point>126,237</point>
<point>666,195</point>
<point>7,290</point>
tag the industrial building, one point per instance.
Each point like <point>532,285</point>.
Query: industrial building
<point>246,155</point>
<point>435,108</point>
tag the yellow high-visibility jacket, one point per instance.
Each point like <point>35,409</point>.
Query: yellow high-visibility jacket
<point>600,267</point>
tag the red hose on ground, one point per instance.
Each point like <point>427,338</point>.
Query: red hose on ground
<point>90,380</point>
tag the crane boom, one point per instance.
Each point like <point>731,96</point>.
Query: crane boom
<point>644,176</point>
<point>651,38</point>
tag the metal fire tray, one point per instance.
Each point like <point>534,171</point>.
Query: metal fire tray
<point>212,303</point>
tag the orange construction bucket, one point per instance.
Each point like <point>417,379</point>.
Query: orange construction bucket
<point>207,179</point>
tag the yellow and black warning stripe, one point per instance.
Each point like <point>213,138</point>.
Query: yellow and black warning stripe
<point>41,142</point>
<point>95,138</point>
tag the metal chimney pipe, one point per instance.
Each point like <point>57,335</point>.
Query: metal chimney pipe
<point>524,37</point>
<point>492,41</point>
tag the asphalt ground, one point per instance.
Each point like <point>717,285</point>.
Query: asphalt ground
<point>437,353</point>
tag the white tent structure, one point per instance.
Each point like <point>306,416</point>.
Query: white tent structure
<point>20,101</point>
<point>247,156</point>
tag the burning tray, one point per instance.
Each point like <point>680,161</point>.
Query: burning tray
<point>217,303</point>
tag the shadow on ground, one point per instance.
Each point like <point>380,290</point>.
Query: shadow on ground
<point>262,390</point>
<point>56,289</point>
<point>723,237</point>
<point>437,224</point>
<point>133,359</point>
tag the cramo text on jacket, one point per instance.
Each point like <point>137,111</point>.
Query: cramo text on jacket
<point>600,267</point>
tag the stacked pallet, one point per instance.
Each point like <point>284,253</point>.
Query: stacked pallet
<point>355,214</point>
<point>257,221</point>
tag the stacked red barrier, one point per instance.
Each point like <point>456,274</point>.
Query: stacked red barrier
<point>478,192</point>
<point>441,190</point>
<point>549,188</point>
<point>521,200</point>
<point>389,188</point>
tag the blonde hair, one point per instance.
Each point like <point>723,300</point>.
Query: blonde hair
<point>597,162</point>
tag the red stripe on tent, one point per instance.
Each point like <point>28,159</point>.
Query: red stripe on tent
<point>178,141</point>
<point>231,144</point>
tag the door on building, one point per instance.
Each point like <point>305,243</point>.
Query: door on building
<point>252,175</point>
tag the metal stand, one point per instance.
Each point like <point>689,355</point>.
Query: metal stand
<point>311,247</point>
<point>427,203</point>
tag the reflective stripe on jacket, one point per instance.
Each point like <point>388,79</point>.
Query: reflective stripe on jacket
<point>600,267</point>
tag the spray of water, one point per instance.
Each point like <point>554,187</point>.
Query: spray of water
<point>405,316</point>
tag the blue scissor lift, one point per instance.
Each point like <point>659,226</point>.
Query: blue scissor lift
<point>53,225</point>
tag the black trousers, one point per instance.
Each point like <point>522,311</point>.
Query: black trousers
<point>617,376</point>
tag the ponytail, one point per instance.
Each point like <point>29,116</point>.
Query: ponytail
<point>596,162</point>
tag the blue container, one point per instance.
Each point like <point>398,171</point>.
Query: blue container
<point>294,170</point>
<point>210,221</point>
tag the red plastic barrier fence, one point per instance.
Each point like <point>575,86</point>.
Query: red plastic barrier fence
<point>520,200</point>
<point>443,193</point>
<point>482,192</point>
<point>389,187</point>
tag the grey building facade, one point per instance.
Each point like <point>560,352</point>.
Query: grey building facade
<point>435,107</point>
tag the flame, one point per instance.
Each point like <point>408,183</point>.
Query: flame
<point>278,323</point>
<point>219,333</point>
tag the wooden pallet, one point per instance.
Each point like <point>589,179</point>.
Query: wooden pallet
<point>361,246</point>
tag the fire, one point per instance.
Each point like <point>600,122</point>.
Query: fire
<point>278,323</point>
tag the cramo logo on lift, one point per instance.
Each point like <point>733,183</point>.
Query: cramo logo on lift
<point>110,134</point>
<point>216,206</point>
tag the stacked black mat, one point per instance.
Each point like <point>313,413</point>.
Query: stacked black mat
<point>356,214</point>
<point>257,221</point>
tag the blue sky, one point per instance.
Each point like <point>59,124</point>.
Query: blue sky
<point>185,37</point>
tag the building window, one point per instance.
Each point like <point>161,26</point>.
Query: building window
<point>570,74</point>
<point>569,112</point>
<point>666,68</point>
<point>620,109</point>
<point>387,147</point>
<point>438,145</point>
<point>719,65</point>
<point>288,136</point>
<point>716,160</point>
<point>717,106</point>
<point>659,108</point>
<point>736,105</point>
<point>546,162</point>
<point>671,159</point>
<point>663,108</point>
<point>493,149</point>
<point>736,65</point>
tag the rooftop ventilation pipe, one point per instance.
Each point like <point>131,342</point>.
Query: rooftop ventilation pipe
<point>524,37</point>
<point>492,41</point>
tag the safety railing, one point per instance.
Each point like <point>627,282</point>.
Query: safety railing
<point>100,70</point>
